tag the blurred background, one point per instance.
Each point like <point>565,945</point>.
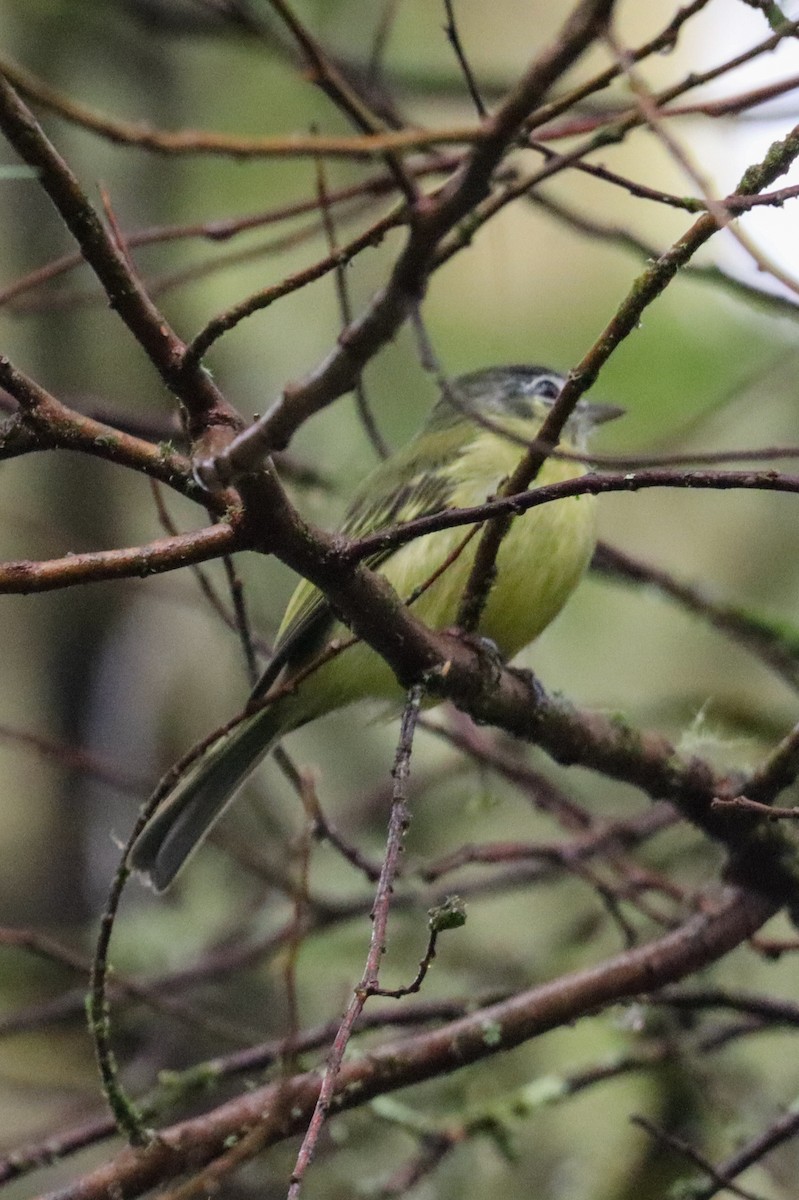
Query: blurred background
<point>132,673</point>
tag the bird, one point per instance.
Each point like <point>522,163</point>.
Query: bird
<point>471,443</point>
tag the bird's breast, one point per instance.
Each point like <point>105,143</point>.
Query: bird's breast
<point>540,561</point>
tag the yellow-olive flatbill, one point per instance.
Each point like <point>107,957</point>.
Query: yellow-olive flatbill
<point>455,461</point>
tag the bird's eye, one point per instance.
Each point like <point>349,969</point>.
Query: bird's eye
<point>548,389</point>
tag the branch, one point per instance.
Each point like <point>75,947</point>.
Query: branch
<point>451,668</point>
<point>199,142</point>
<point>153,558</point>
<point>44,423</point>
<point>203,401</point>
<point>398,824</point>
<point>583,485</point>
<point>770,643</point>
<point>643,292</point>
<point>431,219</point>
<point>282,1109</point>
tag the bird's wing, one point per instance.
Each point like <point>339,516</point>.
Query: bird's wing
<point>400,491</point>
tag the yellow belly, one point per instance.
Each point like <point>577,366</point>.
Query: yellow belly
<point>540,562</point>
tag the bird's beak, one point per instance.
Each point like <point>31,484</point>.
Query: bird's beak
<point>600,413</point>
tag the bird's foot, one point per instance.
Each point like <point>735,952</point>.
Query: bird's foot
<point>491,661</point>
<point>530,680</point>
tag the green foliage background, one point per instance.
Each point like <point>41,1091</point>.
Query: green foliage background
<point>136,671</point>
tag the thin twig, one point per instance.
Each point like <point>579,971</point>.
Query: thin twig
<point>715,207</point>
<point>398,823</point>
<point>645,290</point>
<point>781,1130</point>
<point>687,1151</point>
<point>744,804</point>
<point>431,219</point>
<point>453,36</point>
<point>345,309</point>
<point>241,620</point>
<point>768,640</point>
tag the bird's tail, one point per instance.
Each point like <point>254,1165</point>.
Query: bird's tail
<point>200,796</point>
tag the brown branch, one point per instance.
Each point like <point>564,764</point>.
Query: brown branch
<point>608,836</point>
<point>399,820</point>
<point>222,229</point>
<point>231,619</point>
<point>583,485</point>
<point>680,1146</point>
<point>161,284</point>
<point>363,408</point>
<point>663,43</point>
<point>740,102</point>
<point>258,301</point>
<point>431,219</point>
<point>202,400</point>
<point>165,554</point>
<point>198,142</point>
<point>324,72</point>
<point>720,213</point>
<point>452,668</point>
<point>691,81</point>
<point>454,39</point>
<point>48,948</point>
<point>644,291</point>
<point>777,772</point>
<point>282,1109</point>
<point>765,1008</point>
<point>74,758</point>
<point>781,1130</point>
<point>757,636</point>
<point>226,1066</point>
<point>178,142</point>
<point>44,423</point>
<point>744,804</point>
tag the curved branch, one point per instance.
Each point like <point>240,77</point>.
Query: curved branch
<point>197,142</point>
<point>44,423</point>
<point>452,668</point>
<point>280,1110</point>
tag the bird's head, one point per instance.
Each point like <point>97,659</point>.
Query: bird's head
<point>519,397</point>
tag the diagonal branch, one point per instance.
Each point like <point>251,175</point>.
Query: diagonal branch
<point>282,1109</point>
<point>645,289</point>
<point>200,396</point>
<point>431,219</point>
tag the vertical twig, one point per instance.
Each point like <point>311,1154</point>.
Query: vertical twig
<point>380,41</point>
<point>326,74</point>
<point>238,620</point>
<point>128,1119</point>
<point>296,936</point>
<point>345,308</point>
<point>398,823</point>
<point>241,620</point>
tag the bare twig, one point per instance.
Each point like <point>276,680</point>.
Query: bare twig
<point>680,1146</point>
<point>430,221</point>
<point>345,308</point>
<point>645,290</point>
<point>398,823</point>
<point>451,30</point>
